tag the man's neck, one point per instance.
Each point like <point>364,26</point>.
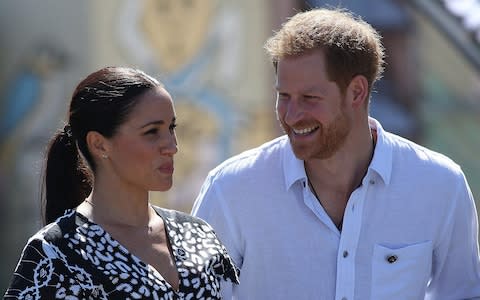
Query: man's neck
<point>344,171</point>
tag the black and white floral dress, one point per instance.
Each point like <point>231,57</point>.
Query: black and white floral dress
<point>74,258</point>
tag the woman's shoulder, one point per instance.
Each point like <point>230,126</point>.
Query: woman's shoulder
<point>187,230</point>
<point>179,217</point>
<point>56,230</point>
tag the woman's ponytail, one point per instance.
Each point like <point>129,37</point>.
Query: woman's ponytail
<point>67,180</point>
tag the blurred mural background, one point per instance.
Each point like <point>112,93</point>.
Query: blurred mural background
<point>209,54</point>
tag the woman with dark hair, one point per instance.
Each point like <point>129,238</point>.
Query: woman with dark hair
<point>102,238</point>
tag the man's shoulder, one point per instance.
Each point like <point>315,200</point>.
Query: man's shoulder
<point>422,156</point>
<point>255,158</point>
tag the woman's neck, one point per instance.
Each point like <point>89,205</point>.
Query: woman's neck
<point>118,206</point>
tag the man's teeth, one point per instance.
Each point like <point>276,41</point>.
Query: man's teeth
<point>305,130</point>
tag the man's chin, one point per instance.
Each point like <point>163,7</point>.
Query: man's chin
<point>301,152</point>
<point>306,153</point>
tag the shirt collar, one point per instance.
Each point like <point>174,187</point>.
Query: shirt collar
<point>382,157</point>
<point>294,169</point>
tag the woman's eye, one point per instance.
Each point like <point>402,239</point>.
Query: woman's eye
<point>172,127</point>
<point>152,131</point>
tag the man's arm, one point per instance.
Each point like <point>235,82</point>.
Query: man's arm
<point>211,206</point>
<point>456,265</point>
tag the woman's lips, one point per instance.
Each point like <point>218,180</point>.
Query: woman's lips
<point>166,168</point>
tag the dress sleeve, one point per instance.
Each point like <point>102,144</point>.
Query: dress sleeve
<point>40,274</point>
<point>221,263</point>
<point>211,206</point>
<point>227,269</point>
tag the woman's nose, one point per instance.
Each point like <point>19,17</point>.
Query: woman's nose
<point>172,147</point>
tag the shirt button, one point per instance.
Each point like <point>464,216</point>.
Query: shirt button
<point>372,181</point>
<point>344,298</point>
<point>345,253</point>
<point>392,258</point>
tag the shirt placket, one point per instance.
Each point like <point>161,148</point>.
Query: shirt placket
<point>314,204</point>
<point>352,224</point>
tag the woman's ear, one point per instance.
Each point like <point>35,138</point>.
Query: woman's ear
<point>358,89</point>
<point>97,145</point>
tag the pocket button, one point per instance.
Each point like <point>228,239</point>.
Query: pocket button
<point>391,258</point>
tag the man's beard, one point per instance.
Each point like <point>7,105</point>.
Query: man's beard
<point>329,139</point>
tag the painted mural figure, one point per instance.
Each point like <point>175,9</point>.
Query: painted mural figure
<point>32,103</point>
<point>199,63</point>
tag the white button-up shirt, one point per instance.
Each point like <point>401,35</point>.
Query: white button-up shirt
<point>410,231</point>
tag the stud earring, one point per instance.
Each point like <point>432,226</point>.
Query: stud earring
<point>104,156</point>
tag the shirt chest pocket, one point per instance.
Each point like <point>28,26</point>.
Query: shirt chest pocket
<point>401,273</point>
